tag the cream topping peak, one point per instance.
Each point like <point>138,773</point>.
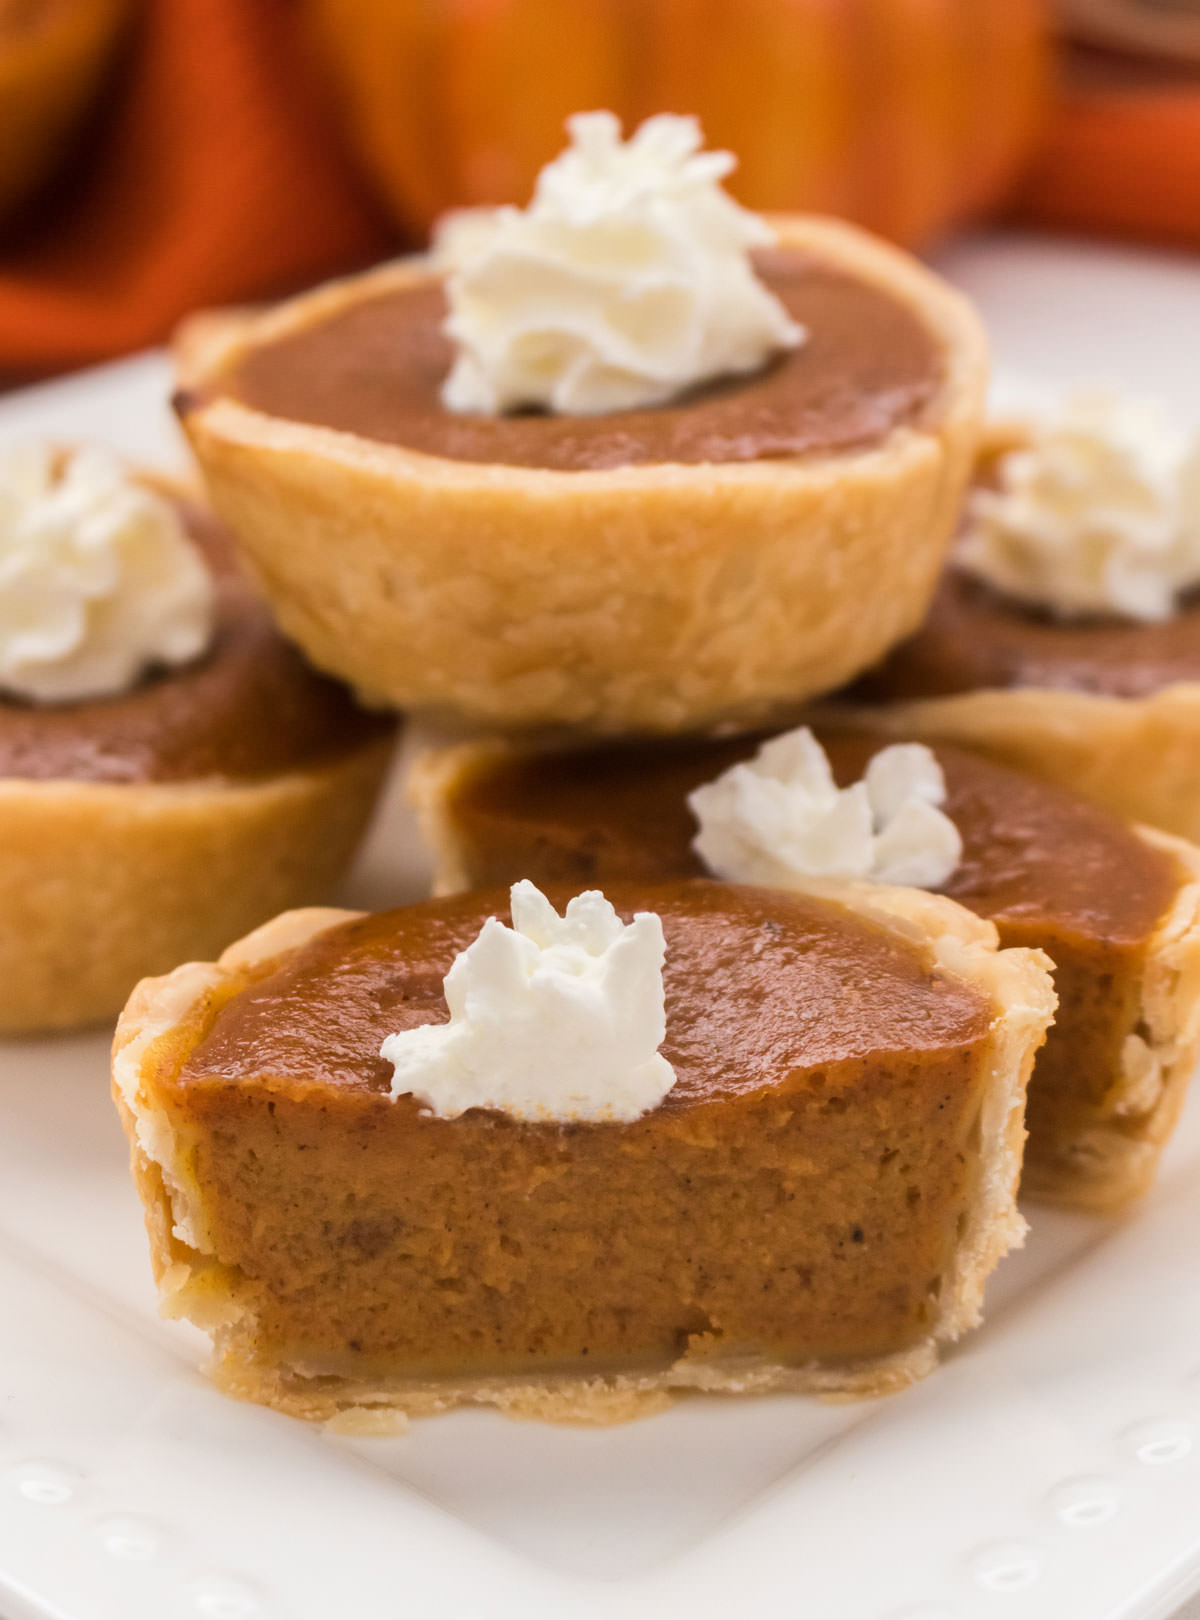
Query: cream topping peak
<point>555,1018</point>
<point>779,818</point>
<point>625,282</point>
<point>98,581</point>
<point>1097,514</point>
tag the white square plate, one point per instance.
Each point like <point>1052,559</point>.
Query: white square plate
<point>1050,1470</point>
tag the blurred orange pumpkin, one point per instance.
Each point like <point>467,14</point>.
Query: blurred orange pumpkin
<point>905,115</point>
<point>53,54</point>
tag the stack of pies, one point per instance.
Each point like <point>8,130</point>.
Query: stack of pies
<point>624,604</point>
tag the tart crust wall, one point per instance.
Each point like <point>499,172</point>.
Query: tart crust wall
<point>166,1018</point>
<point>641,598</point>
<point>102,883</point>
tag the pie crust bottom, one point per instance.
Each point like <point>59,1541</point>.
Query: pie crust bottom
<point>361,1407</point>
<point>102,883</point>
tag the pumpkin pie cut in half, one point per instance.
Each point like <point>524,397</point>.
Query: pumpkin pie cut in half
<point>721,554</point>
<point>1102,702</point>
<point>813,1204</point>
<point>1115,906</point>
<point>157,822</point>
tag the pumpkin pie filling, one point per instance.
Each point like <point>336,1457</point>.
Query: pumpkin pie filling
<point>248,708</point>
<point>375,369</point>
<point>798,1196</point>
<point>1046,866</point>
<point>974,640</point>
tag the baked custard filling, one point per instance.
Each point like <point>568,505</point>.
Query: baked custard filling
<point>975,639</point>
<point>1050,869</point>
<point>376,367</point>
<point>798,1195</point>
<point>250,706</point>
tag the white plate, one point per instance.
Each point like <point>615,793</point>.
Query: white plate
<point>1050,1470</point>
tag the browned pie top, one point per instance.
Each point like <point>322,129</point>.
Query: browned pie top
<point>1032,853</point>
<point>249,707</point>
<point>376,368</point>
<point>975,639</point>
<point>758,985</point>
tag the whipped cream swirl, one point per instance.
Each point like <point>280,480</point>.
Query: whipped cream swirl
<point>625,282</point>
<point>780,818</point>
<point>1098,514</point>
<point>555,1018</point>
<point>98,581</point>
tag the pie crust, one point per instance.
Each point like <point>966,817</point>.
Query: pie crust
<point>653,598</point>
<point>102,883</point>
<point>1113,1157</point>
<point>165,1018</point>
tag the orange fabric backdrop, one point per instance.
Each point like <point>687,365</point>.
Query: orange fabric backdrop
<point>212,174</point>
<point>1121,152</point>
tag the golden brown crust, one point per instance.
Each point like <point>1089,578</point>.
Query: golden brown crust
<point>165,1017</point>
<point>436,773</point>
<point>640,598</point>
<point>1137,756</point>
<point>101,883</point>
<point>365,1408</point>
<point>203,339</point>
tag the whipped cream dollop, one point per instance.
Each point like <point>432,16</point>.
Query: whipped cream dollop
<point>98,580</point>
<point>626,281</point>
<point>555,1018</point>
<point>1098,514</point>
<point>780,818</point>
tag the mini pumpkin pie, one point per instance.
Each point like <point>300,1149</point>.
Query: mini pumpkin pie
<point>1115,906</point>
<point>204,785</point>
<point>812,1203</point>
<point>715,553</point>
<point>1100,700</point>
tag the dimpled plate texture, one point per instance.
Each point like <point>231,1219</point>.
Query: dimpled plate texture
<point>1049,1471</point>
